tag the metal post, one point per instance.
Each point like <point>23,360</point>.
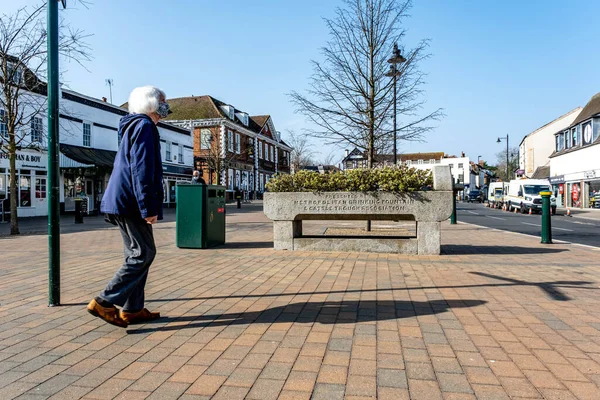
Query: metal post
<point>395,111</point>
<point>453,216</point>
<point>507,176</point>
<point>53,171</point>
<point>546,222</point>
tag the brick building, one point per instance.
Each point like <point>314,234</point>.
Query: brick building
<point>231,148</point>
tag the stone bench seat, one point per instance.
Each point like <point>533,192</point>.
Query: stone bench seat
<point>426,208</point>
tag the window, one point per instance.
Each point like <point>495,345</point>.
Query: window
<point>432,161</point>
<point>560,142</point>
<point>238,146</point>
<point>251,147</point>
<point>87,134</point>
<point>205,138</point>
<point>180,156</point>
<point>461,178</point>
<point>168,151</point>
<point>24,189</point>
<point>15,73</point>
<point>587,133</point>
<point>272,153</point>
<point>460,165</point>
<point>408,162</point>
<point>36,130</point>
<point>420,162</point>
<point>3,125</point>
<point>40,188</point>
<point>575,136</point>
<point>260,150</point>
<point>230,141</point>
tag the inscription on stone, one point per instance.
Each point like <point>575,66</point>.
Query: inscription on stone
<point>347,202</point>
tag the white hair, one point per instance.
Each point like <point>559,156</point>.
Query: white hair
<point>145,99</point>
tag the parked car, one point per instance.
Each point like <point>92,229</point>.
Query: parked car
<point>475,195</point>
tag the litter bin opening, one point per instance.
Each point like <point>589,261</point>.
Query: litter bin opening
<point>212,193</point>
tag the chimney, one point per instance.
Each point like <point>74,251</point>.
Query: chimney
<point>346,152</point>
<point>104,99</point>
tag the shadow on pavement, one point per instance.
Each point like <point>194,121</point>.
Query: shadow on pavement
<point>245,245</point>
<point>551,288</point>
<point>476,249</point>
<point>328,312</point>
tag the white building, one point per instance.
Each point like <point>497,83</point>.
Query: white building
<point>88,145</point>
<point>535,148</point>
<point>575,162</point>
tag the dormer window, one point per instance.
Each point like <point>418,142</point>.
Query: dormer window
<point>14,72</point>
<point>560,142</point>
<point>229,111</point>
<point>243,117</point>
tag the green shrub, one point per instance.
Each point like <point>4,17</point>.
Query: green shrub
<point>387,179</point>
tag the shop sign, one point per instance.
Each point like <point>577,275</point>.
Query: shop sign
<point>26,160</point>
<point>554,180</point>
<point>175,169</point>
<point>589,174</point>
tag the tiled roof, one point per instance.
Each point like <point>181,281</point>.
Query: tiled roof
<point>541,173</point>
<point>591,109</point>
<point>195,107</point>
<point>260,120</point>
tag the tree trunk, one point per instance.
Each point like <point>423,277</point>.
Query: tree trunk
<point>14,195</point>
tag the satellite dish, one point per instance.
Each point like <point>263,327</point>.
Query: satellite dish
<point>64,3</point>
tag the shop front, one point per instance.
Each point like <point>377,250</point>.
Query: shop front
<point>558,189</point>
<point>592,189</point>
<point>32,181</point>
<point>172,175</point>
<point>84,175</point>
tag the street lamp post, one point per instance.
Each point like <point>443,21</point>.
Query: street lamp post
<point>53,144</point>
<point>394,73</point>
<point>498,141</point>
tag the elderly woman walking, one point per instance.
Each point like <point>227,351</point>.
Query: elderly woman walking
<point>133,201</point>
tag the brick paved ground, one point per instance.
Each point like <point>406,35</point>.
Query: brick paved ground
<point>498,316</point>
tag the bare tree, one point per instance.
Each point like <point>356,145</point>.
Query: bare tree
<point>350,99</point>
<point>217,156</point>
<point>23,96</point>
<point>513,163</point>
<point>302,150</point>
<point>328,159</point>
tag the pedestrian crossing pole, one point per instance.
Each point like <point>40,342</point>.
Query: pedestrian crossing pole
<point>53,166</point>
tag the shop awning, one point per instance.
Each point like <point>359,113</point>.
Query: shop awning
<point>89,156</point>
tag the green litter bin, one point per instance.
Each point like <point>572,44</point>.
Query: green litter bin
<point>200,216</point>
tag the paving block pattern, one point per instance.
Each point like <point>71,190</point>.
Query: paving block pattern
<point>496,316</point>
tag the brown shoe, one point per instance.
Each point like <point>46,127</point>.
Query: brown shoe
<point>139,317</point>
<point>108,314</point>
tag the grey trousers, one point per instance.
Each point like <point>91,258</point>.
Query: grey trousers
<point>126,288</point>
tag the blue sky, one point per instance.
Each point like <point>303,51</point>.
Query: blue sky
<point>497,68</point>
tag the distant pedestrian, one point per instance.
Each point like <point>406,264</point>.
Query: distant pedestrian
<point>197,178</point>
<point>133,201</point>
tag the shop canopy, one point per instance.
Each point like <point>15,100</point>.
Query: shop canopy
<point>89,156</point>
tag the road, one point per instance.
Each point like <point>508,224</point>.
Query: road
<point>568,229</point>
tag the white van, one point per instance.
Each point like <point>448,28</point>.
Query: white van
<point>496,193</point>
<point>524,195</point>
